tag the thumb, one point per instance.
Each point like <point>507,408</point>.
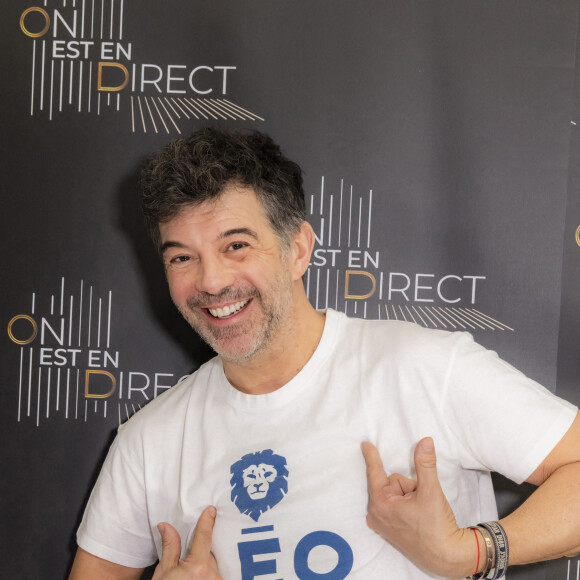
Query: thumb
<point>170,546</point>
<point>426,464</point>
<point>202,536</point>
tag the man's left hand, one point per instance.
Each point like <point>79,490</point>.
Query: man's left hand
<point>415,516</point>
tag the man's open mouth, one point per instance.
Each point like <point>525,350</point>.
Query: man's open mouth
<point>228,311</point>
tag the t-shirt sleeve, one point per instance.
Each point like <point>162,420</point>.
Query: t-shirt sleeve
<point>503,421</point>
<point>115,524</point>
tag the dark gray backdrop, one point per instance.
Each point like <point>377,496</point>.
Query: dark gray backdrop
<point>446,127</point>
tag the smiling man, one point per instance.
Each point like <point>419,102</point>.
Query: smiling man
<point>252,466</point>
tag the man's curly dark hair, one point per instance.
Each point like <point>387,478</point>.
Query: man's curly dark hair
<point>191,171</point>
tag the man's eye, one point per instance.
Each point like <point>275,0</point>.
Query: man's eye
<point>179,260</point>
<point>237,246</point>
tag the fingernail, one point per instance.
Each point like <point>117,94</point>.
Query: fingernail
<point>212,511</point>
<point>428,445</point>
<point>161,528</point>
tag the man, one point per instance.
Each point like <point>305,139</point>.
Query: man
<point>268,434</point>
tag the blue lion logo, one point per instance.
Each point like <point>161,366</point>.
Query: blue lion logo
<point>259,481</point>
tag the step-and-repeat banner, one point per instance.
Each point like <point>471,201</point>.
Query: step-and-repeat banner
<point>441,159</point>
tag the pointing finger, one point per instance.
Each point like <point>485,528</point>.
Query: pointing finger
<point>376,476</point>
<point>202,536</point>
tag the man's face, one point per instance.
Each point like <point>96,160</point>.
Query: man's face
<point>227,275</point>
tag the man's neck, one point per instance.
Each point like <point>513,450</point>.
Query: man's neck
<point>269,371</point>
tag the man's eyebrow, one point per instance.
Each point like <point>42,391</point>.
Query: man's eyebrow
<point>166,245</point>
<point>238,231</point>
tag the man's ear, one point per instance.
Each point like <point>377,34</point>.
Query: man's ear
<point>301,248</point>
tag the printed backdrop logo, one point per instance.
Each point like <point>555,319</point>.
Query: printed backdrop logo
<point>259,481</point>
<point>81,61</point>
<point>69,366</point>
<point>346,272</point>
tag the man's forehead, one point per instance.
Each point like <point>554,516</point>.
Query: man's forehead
<point>237,211</point>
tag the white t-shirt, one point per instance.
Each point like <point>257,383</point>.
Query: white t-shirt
<point>285,469</point>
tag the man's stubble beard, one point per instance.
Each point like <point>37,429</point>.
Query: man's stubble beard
<point>275,319</point>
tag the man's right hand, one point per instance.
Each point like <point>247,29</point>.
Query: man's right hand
<point>200,563</point>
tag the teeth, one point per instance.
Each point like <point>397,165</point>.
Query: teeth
<point>228,310</point>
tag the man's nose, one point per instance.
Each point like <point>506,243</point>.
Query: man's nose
<point>214,275</point>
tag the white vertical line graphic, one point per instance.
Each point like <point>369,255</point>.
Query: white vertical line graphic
<point>336,295</point>
<point>99,104</point>
<point>112,19</point>
<point>349,216</point>
<point>99,324</point>
<point>312,204</point>
<point>42,76</point>
<point>38,397</point>
<point>102,12</point>
<point>96,406</point>
<point>71,70</point>
<point>83,20</point>
<point>48,392</point>
<point>20,383</point>
<point>86,410</point>
<point>359,221</point>
<point>77,399</point>
<point>381,287</point>
<point>80,312</point>
<point>119,409</point>
<point>118,101</point>
<point>62,296</point>
<point>568,574</point>
<point>142,117</point>
<point>322,195</point>
<point>370,213</point>
<point>355,306</point>
<point>32,79</point>
<point>327,286</point>
<point>93,19</point>
<point>80,85</point>
<point>51,89</point>
<point>67,392</point>
<point>330,220</point>
<point>57,388</point>
<point>150,114</point>
<point>52,304</point>
<point>578,570</point>
<point>90,85</point>
<point>109,319</point>
<point>61,85</point>
<point>90,316</point>
<point>121,10</point>
<point>29,382</point>
<point>33,300</point>
<point>340,211</point>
